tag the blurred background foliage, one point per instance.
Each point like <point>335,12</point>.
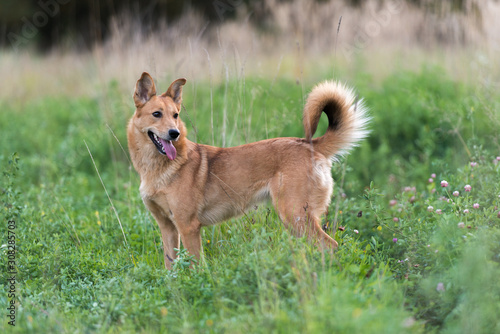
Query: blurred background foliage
<point>87,22</point>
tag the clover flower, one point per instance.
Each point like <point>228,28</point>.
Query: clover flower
<point>444,183</point>
<point>468,188</point>
<point>456,193</point>
<point>430,208</point>
<point>476,206</point>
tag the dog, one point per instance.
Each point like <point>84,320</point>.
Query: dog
<point>186,185</point>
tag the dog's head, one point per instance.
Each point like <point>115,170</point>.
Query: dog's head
<point>157,116</point>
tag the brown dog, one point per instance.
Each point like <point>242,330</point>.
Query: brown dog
<point>187,185</point>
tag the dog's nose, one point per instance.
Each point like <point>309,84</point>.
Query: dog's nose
<point>173,133</point>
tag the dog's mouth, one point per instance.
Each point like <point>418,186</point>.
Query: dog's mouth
<point>163,146</point>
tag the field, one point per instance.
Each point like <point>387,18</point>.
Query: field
<point>416,255</point>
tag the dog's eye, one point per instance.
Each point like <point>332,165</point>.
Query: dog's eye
<point>176,115</point>
<point>157,114</point>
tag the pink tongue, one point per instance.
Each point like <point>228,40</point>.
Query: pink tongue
<point>169,149</point>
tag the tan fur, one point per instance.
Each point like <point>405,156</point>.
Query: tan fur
<point>204,185</point>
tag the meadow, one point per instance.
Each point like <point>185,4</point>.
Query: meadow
<point>415,212</point>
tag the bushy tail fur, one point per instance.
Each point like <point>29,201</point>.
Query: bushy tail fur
<point>347,118</point>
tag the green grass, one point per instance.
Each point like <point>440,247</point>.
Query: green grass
<point>79,273</point>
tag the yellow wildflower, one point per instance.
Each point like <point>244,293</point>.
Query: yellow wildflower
<point>356,312</point>
<point>164,311</point>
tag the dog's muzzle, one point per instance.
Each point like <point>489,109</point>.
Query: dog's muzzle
<point>164,146</point>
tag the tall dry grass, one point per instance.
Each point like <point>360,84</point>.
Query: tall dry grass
<point>300,40</point>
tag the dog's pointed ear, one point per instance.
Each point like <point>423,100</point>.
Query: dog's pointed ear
<point>175,91</point>
<point>144,90</point>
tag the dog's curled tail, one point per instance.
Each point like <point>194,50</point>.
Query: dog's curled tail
<point>347,119</point>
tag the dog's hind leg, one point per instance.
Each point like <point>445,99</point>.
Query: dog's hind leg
<point>315,232</point>
<point>299,216</point>
<point>301,223</point>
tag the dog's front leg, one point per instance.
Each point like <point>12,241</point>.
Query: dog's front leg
<point>169,233</point>
<point>170,237</point>
<point>191,237</point>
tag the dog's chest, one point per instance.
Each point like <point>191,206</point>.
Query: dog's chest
<point>159,205</point>
<point>146,191</point>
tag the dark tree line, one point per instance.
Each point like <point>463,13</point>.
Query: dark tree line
<point>46,23</point>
